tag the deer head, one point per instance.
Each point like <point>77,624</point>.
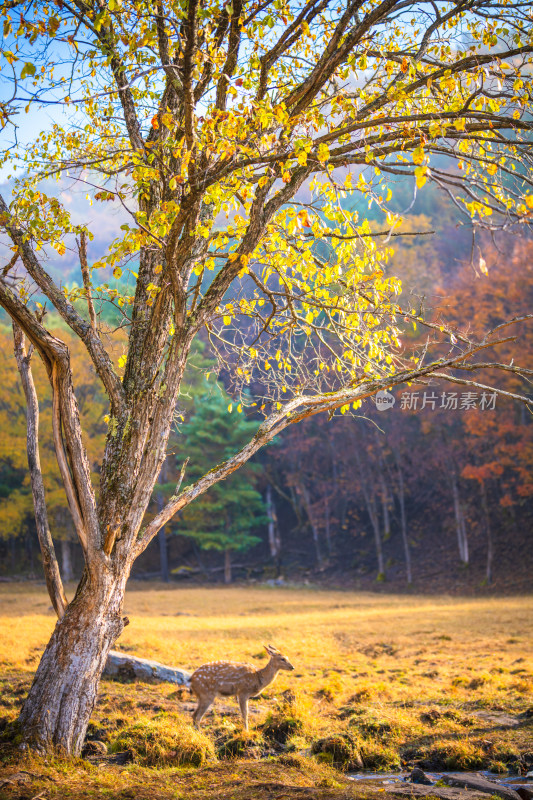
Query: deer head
<point>278,659</point>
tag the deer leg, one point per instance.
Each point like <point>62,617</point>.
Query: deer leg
<point>243,703</point>
<point>203,705</point>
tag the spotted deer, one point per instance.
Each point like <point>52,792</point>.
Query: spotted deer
<point>231,678</point>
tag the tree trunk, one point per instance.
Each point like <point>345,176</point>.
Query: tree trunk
<point>374,519</point>
<point>403,520</point>
<point>66,561</point>
<point>462,540</point>
<point>384,504</point>
<point>313,524</point>
<point>227,565</point>
<point>13,553</point>
<point>198,556</point>
<point>327,525</point>
<point>488,528</point>
<point>371,507</point>
<point>163,555</point>
<point>274,541</point>
<point>59,705</point>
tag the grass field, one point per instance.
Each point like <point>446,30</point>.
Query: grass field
<point>390,680</point>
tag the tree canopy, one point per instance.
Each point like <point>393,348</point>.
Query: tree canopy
<point>231,135</point>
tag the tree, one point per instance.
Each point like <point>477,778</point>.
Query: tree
<point>186,112</point>
<point>229,511</point>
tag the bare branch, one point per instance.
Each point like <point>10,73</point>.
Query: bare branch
<point>82,250</point>
<point>51,569</point>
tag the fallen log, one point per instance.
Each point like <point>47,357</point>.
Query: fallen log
<point>128,667</point>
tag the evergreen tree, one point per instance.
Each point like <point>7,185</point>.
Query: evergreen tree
<point>227,514</point>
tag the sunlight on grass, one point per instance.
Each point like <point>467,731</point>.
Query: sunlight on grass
<point>393,679</point>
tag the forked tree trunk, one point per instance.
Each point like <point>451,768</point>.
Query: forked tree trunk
<point>62,697</point>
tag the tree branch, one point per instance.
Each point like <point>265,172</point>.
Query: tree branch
<point>83,329</point>
<point>304,406</point>
<point>55,355</point>
<point>52,575</point>
<point>82,250</point>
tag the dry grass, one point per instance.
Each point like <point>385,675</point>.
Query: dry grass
<point>435,681</point>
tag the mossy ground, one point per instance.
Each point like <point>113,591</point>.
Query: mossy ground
<point>390,681</point>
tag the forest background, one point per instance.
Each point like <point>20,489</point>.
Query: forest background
<point>433,494</point>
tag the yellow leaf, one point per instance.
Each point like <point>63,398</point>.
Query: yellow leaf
<point>322,152</point>
<point>230,407</point>
<point>420,174</point>
<point>418,155</point>
<point>227,320</point>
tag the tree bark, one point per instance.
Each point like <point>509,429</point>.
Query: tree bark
<point>58,708</point>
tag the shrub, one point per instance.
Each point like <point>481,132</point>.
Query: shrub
<point>339,749</point>
<point>458,754</point>
<point>278,726</point>
<point>238,744</point>
<point>379,756</point>
<point>167,739</point>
